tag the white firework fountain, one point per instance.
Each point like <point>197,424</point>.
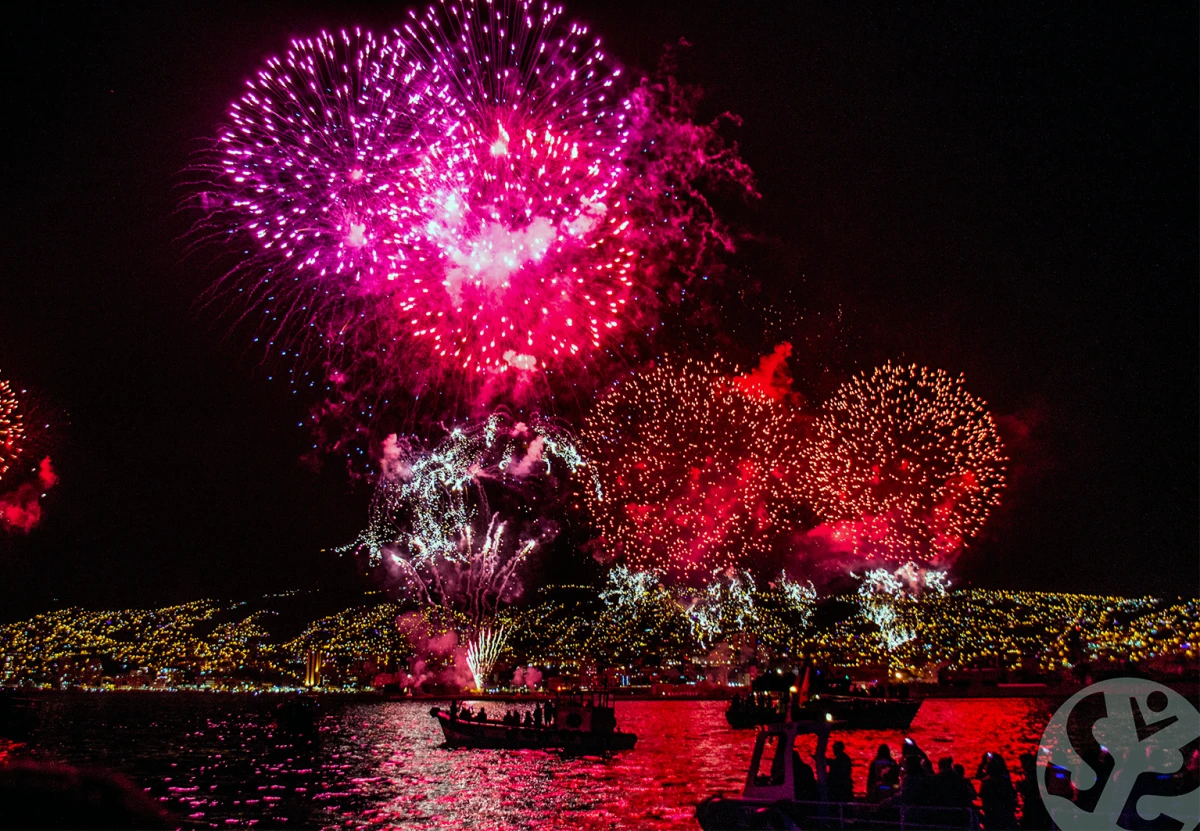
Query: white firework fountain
<point>483,651</point>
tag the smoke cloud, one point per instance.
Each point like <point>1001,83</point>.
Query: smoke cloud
<point>438,658</point>
<point>21,509</point>
<point>771,379</point>
<point>528,677</point>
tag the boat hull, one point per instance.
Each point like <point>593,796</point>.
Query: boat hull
<point>856,713</point>
<point>848,712</point>
<point>475,734</point>
<point>718,813</point>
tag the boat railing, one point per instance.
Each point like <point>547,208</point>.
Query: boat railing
<point>851,815</point>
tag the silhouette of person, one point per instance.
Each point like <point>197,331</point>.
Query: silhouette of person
<point>915,785</point>
<point>841,781</point>
<point>945,784</point>
<point>998,796</point>
<point>964,795</point>
<point>882,775</point>
<point>804,783</point>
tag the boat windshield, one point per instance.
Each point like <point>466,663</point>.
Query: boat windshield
<point>771,763</point>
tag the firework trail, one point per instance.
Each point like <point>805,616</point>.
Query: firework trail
<point>692,470</point>
<point>453,524</point>
<point>483,651</point>
<point>480,197</point>
<point>906,465</point>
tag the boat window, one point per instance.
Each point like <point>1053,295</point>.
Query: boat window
<point>770,764</point>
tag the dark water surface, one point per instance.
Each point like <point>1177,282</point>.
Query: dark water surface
<point>218,761</point>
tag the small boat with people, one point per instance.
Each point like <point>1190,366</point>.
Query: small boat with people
<point>576,723</point>
<point>18,713</point>
<point>775,699</point>
<point>783,791</point>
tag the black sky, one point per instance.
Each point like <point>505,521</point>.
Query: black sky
<point>1008,191</point>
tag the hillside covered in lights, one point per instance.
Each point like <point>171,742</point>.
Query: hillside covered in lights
<point>578,635</point>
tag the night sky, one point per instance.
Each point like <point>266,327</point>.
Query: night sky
<point>1008,192</point>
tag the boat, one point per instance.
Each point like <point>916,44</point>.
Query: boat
<point>769,703</point>
<point>18,714</point>
<point>860,712</point>
<point>768,796</point>
<point>584,724</point>
<point>297,716</point>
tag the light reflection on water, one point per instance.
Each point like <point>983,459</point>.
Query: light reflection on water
<point>218,761</point>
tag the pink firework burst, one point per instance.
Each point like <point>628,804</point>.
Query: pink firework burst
<point>449,189</point>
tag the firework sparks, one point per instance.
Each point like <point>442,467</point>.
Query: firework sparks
<point>725,605</point>
<point>882,595</point>
<point>879,594</point>
<point>483,652</point>
<point>435,524</point>
<point>691,469</point>
<point>626,590</point>
<point>451,183</point>
<point>479,201</point>
<point>906,464</point>
<point>731,602</point>
<point>798,598</point>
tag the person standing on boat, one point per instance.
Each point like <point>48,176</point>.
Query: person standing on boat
<point>882,776</point>
<point>841,780</point>
<point>998,796</point>
<point>945,783</point>
<point>537,715</point>
<point>915,784</point>
<point>965,794</point>
<point>804,783</point>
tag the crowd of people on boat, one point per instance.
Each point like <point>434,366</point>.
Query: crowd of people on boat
<point>542,715</point>
<point>914,780</point>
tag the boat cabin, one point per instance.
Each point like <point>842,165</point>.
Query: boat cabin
<point>589,712</point>
<point>772,775</point>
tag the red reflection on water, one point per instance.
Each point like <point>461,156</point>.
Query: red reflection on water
<point>219,761</point>
<point>685,753</point>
